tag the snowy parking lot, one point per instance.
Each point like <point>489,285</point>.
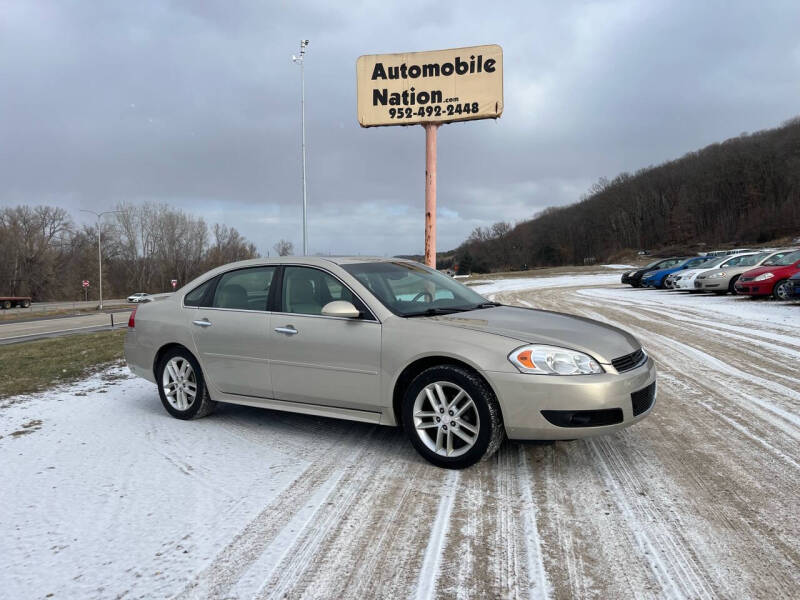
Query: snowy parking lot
<point>104,495</point>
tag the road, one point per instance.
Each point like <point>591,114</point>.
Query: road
<point>106,496</point>
<point>24,331</point>
<point>40,307</point>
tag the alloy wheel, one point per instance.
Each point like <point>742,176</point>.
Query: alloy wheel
<point>782,290</point>
<point>180,383</point>
<point>446,419</point>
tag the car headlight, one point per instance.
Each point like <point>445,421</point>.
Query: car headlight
<point>764,276</point>
<point>717,275</point>
<point>551,360</point>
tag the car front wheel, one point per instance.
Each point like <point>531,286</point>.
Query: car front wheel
<point>452,417</point>
<point>182,387</point>
<point>781,290</point>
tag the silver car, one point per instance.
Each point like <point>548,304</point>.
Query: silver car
<point>722,280</point>
<point>391,342</point>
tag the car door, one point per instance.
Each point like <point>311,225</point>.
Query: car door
<point>323,360</point>
<point>231,332</point>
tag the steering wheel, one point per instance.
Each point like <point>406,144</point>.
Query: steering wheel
<point>423,294</point>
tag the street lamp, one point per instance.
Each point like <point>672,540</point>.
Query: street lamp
<point>99,247</point>
<point>300,60</point>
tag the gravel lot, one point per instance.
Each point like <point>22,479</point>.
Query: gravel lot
<point>105,496</point>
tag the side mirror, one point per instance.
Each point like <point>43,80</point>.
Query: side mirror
<point>342,309</point>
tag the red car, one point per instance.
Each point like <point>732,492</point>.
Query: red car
<point>770,279</point>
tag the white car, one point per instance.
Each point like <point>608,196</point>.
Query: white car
<point>686,279</point>
<point>138,297</point>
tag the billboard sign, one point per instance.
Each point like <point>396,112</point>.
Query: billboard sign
<point>440,86</point>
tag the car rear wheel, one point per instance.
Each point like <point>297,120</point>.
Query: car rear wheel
<point>182,387</point>
<point>781,290</point>
<point>732,285</point>
<point>452,417</point>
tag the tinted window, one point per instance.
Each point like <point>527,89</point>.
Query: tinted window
<point>244,289</point>
<point>306,291</point>
<point>195,297</point>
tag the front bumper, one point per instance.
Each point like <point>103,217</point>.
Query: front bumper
<point>523,397</point>
<point>753,288</point>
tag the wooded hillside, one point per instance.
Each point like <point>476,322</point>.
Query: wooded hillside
<point>743,190</point>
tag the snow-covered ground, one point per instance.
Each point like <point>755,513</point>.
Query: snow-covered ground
<point>490,287</point>
<point>103,495</point>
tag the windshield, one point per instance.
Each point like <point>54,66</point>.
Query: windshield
<point>788,259</point>
<point>696,262</point>
<point>410,289</point>
<point>749,261</point>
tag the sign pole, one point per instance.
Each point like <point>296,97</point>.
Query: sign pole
<point>430,193</point>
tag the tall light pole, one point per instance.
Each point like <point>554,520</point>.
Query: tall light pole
<point>300,60</point>
<point>100,246</point>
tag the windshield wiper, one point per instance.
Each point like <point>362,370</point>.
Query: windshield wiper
<point>432,312</point>
<point>486,305</point>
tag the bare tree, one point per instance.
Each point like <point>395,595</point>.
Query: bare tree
<point>283,247</point>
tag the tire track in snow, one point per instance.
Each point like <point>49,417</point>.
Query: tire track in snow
<point>672,566</point>
<point>229,564</point>
<point>539,587</point>
<point>315,541</point>
<point>426,585</point>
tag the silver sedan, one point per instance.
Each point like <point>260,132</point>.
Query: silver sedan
<point>392,342</point>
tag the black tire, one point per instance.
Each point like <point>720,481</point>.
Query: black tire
<point>202,405</point>
<point>732,284</point>
<point>26,304</point>
<point>7,304</point>
<point>490,431</point>
<point>781,286</point>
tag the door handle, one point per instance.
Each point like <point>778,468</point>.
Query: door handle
<point>202,322</point>
<point>289,330</point>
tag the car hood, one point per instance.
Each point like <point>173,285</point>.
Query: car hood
<point>603,342</point>
<point>781,271</point>
<point>727,271</point>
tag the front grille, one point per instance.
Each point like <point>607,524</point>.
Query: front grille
<point>643,399</point>
<point>629,361</point>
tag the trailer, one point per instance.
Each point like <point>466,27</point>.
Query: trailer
<point>7,302</point>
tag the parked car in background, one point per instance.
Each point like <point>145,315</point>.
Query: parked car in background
<point>770,280</point>
<point>723,279</point>
<point>794,286</point>
<point>388,341</point>
<point>684,280</point>
<point>138,297</point>
<point>657,278</point>
<point>729,252</point>
<point>634,278</point>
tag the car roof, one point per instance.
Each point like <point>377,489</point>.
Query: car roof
<point>319,261</point>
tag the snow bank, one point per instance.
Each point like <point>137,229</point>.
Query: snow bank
<point>529,283</point>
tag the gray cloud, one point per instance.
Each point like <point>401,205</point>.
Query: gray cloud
<point>196,104</point>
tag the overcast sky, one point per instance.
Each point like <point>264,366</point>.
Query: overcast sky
<point>196,104</point>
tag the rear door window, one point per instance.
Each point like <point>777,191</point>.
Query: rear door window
<point>244,289</point>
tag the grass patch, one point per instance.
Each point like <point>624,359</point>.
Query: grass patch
<point>28,314</point>
<point>34,366</point>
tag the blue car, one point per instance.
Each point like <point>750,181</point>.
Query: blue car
<point>656,278</point>
<point>794,286</point>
